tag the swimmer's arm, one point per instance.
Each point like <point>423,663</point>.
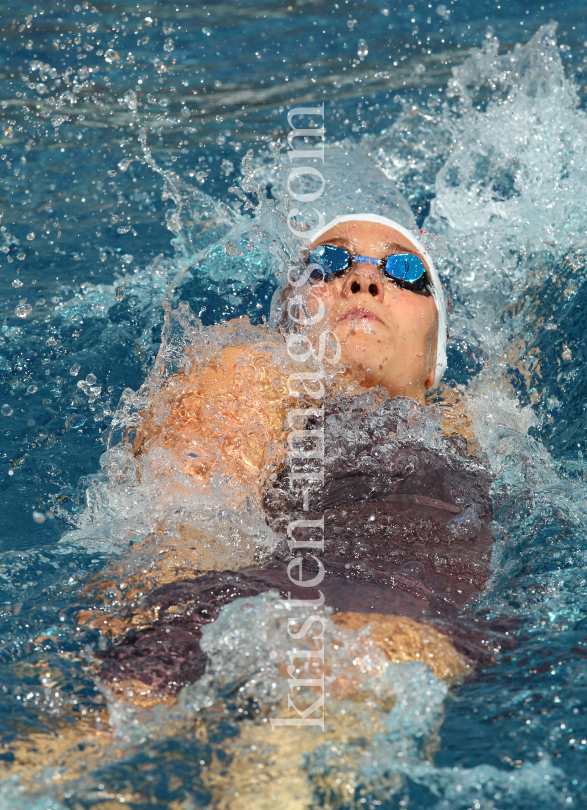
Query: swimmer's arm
<point>227,416</point>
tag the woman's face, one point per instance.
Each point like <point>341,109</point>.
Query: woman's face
<point>387,334</point>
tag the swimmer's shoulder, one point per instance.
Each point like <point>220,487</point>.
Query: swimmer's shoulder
<point>458,418</point>
<point>224,388</point>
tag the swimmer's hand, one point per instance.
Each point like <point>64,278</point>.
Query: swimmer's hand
<point>226,417</point>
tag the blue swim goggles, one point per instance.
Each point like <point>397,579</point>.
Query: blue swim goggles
<point>404,269</point>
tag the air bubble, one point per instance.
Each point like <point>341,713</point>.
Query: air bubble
<point>39,517</point>
<point>21,256</point>
<point>119,293</point>
<point>91,379</point>
<point>123,229</point>
<point>169,45</point>
<point>30,236</point>
<point>75,369</point>
<point>6,410</point>
<point>17,283</point>
<point>206,31</point>
<point>111,56</point>
<point>362,48</point>
<point>127,258</point>
<point>32,389</point>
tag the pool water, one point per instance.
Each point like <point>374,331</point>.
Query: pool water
<point>125,131</point>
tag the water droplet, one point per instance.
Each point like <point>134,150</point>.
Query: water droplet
<point>75,369</point>
<point>30,236</point>
<point>111,55</point>
<point>32,389</point>
<point>23,309</point>
<point>130,98</point>
<point>6,410</point>
<point>168,45</point>
<point>206,31</point>
<point>119,293</point>
<point>127,258</point>
<point>17,283</point>
<point>231,249</point>
<point>39,517</point>
<point>123,229</point>
<point>91,379</point>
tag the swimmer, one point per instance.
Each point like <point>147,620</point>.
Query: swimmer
<point>406,538</point>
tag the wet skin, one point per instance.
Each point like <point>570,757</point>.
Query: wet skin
<point>387,334</point>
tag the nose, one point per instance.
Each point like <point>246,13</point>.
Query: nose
<point>363,278</point>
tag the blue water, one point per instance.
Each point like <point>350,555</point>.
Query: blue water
<point>490,150</point>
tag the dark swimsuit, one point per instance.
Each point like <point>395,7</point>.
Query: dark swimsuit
<point>406,531</point>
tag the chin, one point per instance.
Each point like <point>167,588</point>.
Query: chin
<point>364,369</point>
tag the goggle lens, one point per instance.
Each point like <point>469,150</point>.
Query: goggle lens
<point>332,261</point>
<point>405,267</point>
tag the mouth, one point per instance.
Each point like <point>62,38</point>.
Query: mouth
<point>359,314</point>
